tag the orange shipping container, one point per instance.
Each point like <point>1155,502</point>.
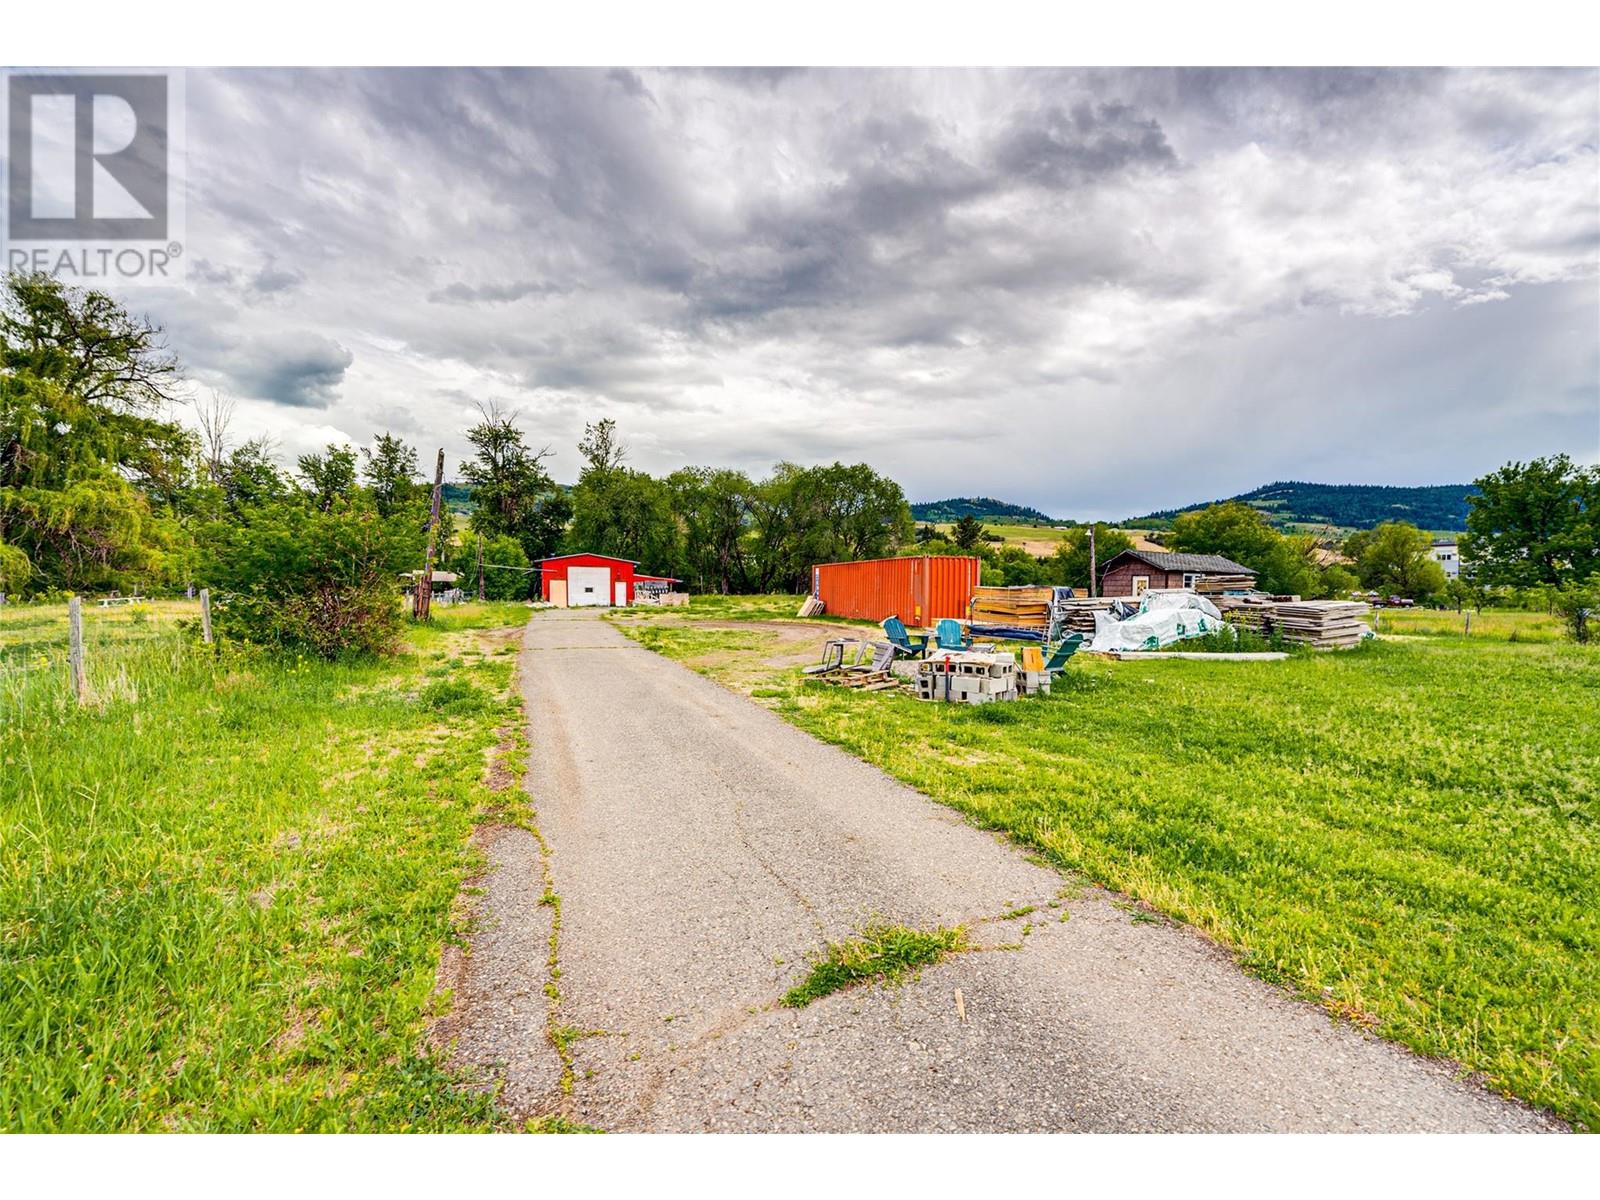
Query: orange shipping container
<point>919,590</point>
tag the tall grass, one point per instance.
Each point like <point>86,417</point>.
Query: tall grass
<point>224,885</point>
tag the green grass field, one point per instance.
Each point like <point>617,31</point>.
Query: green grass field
<point>1405,832</point>
<point>1040,540</point>
<point>225,885</point>
<point>1489,625</point>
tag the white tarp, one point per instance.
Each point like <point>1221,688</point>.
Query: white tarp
<point>1163,618</point>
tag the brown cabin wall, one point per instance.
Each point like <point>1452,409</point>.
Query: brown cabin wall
<point>1119,580</point>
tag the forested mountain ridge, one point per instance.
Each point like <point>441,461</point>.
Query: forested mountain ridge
<point>1351,505</point>
<point>984,508</point>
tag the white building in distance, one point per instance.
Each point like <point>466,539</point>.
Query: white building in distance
<point>1447,554</point>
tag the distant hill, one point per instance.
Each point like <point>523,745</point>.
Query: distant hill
<point>457,497</point>
<point>1351,505</point>
<point>982,507</point>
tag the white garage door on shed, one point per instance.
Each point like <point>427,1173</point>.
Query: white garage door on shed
<point>588,585</point>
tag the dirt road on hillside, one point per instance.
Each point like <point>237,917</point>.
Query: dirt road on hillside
<point>703,849</point>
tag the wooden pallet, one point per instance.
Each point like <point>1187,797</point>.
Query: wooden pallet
<point>880,681</point>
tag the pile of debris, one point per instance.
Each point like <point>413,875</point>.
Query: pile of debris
<point>967,676</point>
<point>1322,624</point>
<point>1075,614</point>
<point>659,596</point>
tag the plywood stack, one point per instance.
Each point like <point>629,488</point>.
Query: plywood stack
<point>1016,607</point>
<point>1324,624</point>
<point>1216,585</point>
<point>1077,615</point>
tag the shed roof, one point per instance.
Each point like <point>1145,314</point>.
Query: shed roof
<point>1203,564</point>
<point>588,554</point>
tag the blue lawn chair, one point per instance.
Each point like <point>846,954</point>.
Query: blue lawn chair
<point>903,642</point>
<point>949,635</point>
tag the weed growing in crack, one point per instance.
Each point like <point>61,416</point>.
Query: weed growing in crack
<point>885,952</point>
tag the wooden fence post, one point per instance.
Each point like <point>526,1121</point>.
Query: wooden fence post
<point>80,683</point>
<point>205,614</point>
<point>424,605</point>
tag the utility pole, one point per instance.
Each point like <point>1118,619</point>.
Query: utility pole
<point>423,609</point>
<point>1094,566</point>
<point>480,568</point>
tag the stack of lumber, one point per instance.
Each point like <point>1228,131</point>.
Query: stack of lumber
<point>1012,607</point>
<point>1325,624</point>
<point>1077,615</point>
<point>1216,585</point>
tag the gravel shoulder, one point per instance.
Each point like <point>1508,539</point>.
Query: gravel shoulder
<point>494,1028</point>
<point>703,849</point>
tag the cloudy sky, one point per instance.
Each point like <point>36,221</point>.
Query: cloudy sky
<point>1096,291</point>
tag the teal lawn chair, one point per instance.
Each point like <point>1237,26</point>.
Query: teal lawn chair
<point>1058,657</point>
<point>903,642</point>
<point>950,636</point>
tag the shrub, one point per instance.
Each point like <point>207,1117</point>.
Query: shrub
<point>296,576</point>
<point>14,568</point>
<point>1578,606</point>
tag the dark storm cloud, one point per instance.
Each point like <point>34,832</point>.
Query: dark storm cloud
<point>785,263</point>
<point>1055,148</point>
<point>295,370</point>
<point>489,293</point>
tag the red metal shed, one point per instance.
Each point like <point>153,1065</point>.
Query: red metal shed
<point>918,590</point>
<point>577,580</point>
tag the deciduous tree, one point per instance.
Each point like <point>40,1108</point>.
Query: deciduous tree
<point>1534,523</point>
<point>330,476</point>
<point>389,466</point>
<point>1395,561</point>
<point>512,492</point>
